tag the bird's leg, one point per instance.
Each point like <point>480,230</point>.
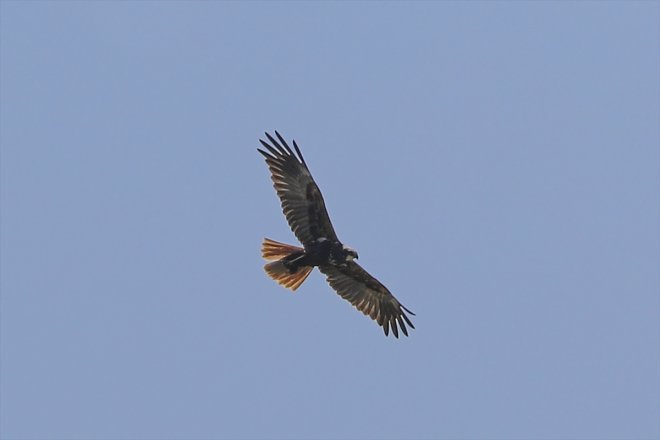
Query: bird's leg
<point>294,262</point>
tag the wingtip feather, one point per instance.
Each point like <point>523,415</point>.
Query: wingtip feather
<point>283,141</point>
<point>276,144</point>
<point>302,159</point>
<point>404,308</point>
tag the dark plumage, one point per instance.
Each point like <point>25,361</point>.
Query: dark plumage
<point>308,218</point>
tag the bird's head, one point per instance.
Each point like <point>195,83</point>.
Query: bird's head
<point>350,253</point>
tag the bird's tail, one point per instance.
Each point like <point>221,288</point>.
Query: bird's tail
<point>278,253</point>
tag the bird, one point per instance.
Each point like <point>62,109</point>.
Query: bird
<point>305,211</point>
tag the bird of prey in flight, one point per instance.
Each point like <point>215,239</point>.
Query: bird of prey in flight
<point>305,212</point>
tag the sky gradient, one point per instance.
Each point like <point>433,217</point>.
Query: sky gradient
<point>494,164</point>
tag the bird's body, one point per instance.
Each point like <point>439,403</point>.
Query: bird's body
<point>304,208</point>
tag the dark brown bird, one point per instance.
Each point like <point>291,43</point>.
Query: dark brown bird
<point>305,211</point>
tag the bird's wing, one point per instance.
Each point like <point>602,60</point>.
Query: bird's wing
<point>301,198</point>
<point>368,295</point>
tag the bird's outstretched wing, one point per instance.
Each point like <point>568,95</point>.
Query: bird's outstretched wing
<point>368,295</point>
<point>301,198</point>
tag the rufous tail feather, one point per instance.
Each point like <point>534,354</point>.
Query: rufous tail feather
<point>274,250</point>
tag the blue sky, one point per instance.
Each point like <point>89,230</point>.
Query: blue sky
<point>494,164</point>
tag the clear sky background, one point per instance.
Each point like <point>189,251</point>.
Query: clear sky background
<point>495,165</point>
